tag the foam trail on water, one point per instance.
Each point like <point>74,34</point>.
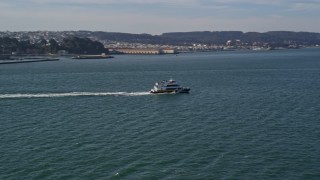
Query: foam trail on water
<point>71,94</point>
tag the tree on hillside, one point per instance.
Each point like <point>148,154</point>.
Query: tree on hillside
<point>54,46</point>
<point>8,45</point>
<point>77,45</point>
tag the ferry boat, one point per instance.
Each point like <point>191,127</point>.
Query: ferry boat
<point>168,86</point>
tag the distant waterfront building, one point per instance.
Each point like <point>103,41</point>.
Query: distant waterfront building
<point>143,51</point>
<point>137,51</point>
<point>169,51</point>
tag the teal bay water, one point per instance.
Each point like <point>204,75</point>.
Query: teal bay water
<point>249,115</point>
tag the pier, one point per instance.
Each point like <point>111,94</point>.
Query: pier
<point>28,60</point>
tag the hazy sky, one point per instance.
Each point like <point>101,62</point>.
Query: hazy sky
<point>159,16</point>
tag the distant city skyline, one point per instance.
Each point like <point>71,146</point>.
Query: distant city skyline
<point>160,16</point>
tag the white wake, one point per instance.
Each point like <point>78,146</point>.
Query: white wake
<point>71,94</point>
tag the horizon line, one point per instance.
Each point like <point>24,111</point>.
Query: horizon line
<point>158,34</point>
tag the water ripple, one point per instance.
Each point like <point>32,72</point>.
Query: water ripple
<point>72,94</point>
